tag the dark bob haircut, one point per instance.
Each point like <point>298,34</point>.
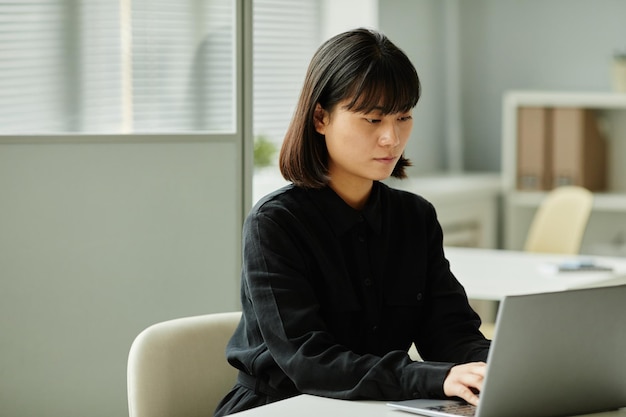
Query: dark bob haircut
<point>361,65</point>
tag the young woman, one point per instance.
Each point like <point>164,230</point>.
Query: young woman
<point>341,274</point>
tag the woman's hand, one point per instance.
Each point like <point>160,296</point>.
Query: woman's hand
<point>465,381</point>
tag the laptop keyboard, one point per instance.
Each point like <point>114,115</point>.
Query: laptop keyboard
<point>455,409</point>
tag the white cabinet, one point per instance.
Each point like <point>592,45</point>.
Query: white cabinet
<point>467,205</point>
<point>606,232</point>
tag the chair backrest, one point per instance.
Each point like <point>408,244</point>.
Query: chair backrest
<point>179,368</point>
<point>560,222</point>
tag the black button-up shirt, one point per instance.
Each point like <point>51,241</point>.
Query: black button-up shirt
<point>333,297</point>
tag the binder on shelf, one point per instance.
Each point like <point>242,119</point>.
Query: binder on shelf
<point>534,148</point>
<point>579,149</point>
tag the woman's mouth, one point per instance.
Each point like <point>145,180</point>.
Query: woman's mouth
<point>386,159</point>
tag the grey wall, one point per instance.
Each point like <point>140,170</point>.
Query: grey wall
<point>97,242</point>
<point>561,45</point>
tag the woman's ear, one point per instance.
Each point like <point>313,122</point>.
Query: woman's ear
<point>320,117</point>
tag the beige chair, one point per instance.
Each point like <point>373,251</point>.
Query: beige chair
<point>560,222</point>
<point>178,368</point>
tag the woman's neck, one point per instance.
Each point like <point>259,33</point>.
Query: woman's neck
<point>354,193</point>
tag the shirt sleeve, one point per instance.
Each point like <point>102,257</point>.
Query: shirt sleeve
<point>278,287</point>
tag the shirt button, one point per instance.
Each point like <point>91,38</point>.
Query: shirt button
<point>361,238</point>
<point>368,282</point>
<point>374,329</point>
<point>419,296</point>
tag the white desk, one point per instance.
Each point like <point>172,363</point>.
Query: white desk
<point>311,406</point>
<point>491,274</point>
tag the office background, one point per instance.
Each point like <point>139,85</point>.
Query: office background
<point>103,236</point>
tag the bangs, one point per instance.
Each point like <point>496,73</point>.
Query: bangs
<point>385,88</point>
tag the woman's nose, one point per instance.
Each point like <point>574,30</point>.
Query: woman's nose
<point>389,135</point>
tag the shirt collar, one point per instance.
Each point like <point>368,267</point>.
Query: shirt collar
<point>342,217</point>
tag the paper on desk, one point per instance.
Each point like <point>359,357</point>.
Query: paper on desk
<point>574,266</point>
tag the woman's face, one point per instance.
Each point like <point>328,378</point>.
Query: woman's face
<point>362,147</point>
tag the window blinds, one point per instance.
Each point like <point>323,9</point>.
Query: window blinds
<point>286,34</point>
<point>32,50</point>
<point>102,66</point>
<point>124,66</point>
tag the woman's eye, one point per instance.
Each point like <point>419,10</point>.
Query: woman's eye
<point>405,118</point>
<point>373,121</point>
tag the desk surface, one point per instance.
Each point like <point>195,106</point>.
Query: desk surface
<point>491,274</point>
<point>311,406</point>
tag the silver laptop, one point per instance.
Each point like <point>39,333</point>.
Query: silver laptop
<point>553,354</point>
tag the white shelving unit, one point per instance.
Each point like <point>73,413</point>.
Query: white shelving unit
<point>606,232</point>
